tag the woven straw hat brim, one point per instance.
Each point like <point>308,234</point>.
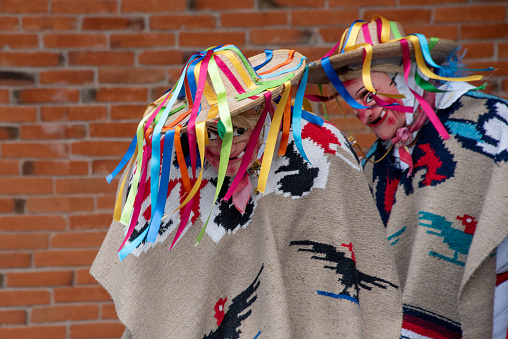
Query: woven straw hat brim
<point>238,106</point>
<point>317,74</point>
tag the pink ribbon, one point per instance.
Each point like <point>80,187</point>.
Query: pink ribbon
<point>242,193</point>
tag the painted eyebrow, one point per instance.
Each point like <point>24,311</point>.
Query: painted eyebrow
<point>359,90</point>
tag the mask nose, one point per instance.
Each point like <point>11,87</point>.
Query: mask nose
<point>364,115</point>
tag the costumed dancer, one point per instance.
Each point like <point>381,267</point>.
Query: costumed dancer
<point>438,173</point>
<point>214,236</point>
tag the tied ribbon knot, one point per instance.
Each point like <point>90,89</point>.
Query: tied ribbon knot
<point>402,138</point>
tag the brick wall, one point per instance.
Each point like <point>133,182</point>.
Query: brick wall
<point>75,76</point>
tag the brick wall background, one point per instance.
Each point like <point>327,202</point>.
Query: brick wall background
<point>75,76</point>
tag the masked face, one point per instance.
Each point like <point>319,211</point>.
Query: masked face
<point>382,120</point>
<point>241,137</point>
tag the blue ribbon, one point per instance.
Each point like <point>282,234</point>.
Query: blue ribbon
<point>271,75</point>
<point>428,58</point>
<point>348,33</point>
<point>269,56</point>
<point>156,138</point>
<point>124,161</point>
<point>163,189</point>
<point>127,249</point>
<point>334,79</point>
<point>297,113</point>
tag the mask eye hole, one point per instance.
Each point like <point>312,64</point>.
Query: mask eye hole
<point>369,98</point>
<point>212,134</point>
<point>239,131</point>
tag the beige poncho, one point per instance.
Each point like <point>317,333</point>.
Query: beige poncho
<point>445,221</point>
<point>307,259</point>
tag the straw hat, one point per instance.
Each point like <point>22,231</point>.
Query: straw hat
<point>238,77</point>
<point>380,50</point>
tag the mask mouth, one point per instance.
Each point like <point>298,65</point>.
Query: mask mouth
<point>379,119</point>
<point>239,156</point>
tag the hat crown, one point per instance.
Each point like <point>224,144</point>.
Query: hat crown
<point>372,33</point>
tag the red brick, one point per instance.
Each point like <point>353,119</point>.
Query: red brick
<point>104,166</point>
<point>35,150</point>
<point>479,49</point>
<point>23,298</point>
<point>469,13</point>
<point>73,113</point>
<point>259,19</point>
<point>42,95</point>
<point>106,202</point>
<point>157,92</point>
<point>77,294</point>
<point>138,75</point>
<point>113,23</point>
<point>9,133</point>
<point>7,205</point>
<point>289,3</point>
<point>441,31</point>
<point>30,332</point>
<point>323,17</point>
<point>97,330</point>
<point>84,7</point>
<point>217,5</point>
<point>59,204</point>
<point>171,57</point>
<point>84,185</point>
<point>49,23</point>
<point>52,131</point>
<point>14,317</point>
<point>24,6</point>
<point>13,78</point>
<point>25,185</point>
<point>29,59</point>
<point>67,77</point>
<point>18,41</point>
<point>127,112</point>
<point>109,311</point>
<point>401,15</point>
<point>90,221</point>
<point>429,2</point>
<point>83,277</point>
<point>503,49</point>
<point>155,6</point>
<point>142,40</point>
<point>183,21</point>
<point>52,168</point>
<point>363,3</point>
<point>101,58</point>
<point>119,94</point>
<point>113,130</point>
<point>484,31</point>
<point>174,74</point>
<point>39,279</point>
<point>24,242</point>
<point>4,96</point>
<point>77,239</point>
<point>9,23</point>
<point>15,260</point>
<point>279,36</point>
<point>501,67</point>
<point>64,258</point>
<point>74,40</point>
<point>24,223</point>
<point>64,313</point>
<point>9,167</point>
<point>332,35</point>
<point>207,39</point>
